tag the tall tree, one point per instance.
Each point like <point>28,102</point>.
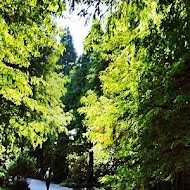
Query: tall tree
<point>141,120</point>
<point>55,150</point>
<point>30,89</point>
<point>68,58</point>
<point>84,75</point>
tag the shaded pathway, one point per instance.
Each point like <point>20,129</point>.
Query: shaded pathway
<point>35,184</point>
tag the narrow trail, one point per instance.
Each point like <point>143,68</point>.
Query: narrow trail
<point>35,184</point>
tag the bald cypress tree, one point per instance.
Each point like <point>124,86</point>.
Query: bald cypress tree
<point>68,58</point>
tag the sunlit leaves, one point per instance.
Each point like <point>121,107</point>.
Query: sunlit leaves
<point>142,115</point>
<point>30,88</point>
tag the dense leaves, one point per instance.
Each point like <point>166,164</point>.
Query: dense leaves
<point>30,89</point>
<point>22,166</point>
<point>133,80</point>
<point>142,116</point>
<point>68,58</point>
<point>83,75</point>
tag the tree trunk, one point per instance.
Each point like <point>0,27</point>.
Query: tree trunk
<point>180,181</point>
<point>91,166</point>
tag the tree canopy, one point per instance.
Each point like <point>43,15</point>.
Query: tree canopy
<point>30,89</point>
<point>68,58</point>
<point>141,120</point>
<point>128,92</point>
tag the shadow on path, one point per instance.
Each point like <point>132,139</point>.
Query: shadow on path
<point>36,184</point>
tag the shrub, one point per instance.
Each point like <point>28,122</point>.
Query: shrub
<point>78,168</point>
<point>18,169</point>
<point>22,166</point>
<point>20,185</point>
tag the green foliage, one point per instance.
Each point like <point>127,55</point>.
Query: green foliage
<point>18,169</point>
<point>83,76</point>
<point>78,168</point>
<point>142,115</point>
<point>23,165</point>
<point>68,58</point>
<point>20,184</point>
<point>54,151</point>
<point>2,172</point>
<point>30,88</point>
